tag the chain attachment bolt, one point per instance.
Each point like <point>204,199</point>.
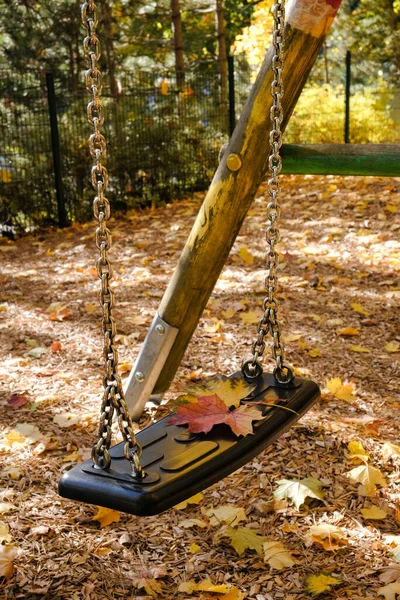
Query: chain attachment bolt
<point>160,329</point>
<point>139,376</point>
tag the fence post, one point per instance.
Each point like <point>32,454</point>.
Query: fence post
<point>55,146</point>
<point>231,94</point>
<point>347,99</point>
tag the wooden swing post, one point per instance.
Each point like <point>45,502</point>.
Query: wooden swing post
<point>237,179</point>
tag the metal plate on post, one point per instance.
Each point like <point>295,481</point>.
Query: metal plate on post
<point>148,365</point>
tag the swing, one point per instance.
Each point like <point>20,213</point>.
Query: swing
<point>165,463</point>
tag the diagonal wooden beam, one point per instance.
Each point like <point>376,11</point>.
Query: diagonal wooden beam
<point>238,177</point>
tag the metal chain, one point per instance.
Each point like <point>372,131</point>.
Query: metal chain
<point>113,398</point>
<point>269,322</point>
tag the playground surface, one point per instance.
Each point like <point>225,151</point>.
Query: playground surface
<point>339,291</point>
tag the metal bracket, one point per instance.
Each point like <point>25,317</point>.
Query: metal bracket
<point>149,363</point>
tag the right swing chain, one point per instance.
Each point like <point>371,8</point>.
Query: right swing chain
<point>252,368</point>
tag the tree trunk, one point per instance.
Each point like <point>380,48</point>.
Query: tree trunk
<point>222,54</point>
<point>237,179</point>
<point>108,44</point>
<point>326,63</point>
<point>178,44</point>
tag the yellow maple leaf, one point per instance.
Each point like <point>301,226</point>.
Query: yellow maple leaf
<point>392,347</point>
<point>231,515</point>
<point>194,548</point>
<point>150,585</point>
<point>340,390</point>
<point>242,538</point>
<point>208,586</point>
<point>229,312</point>
<point>347,331</point>
<point>326,536</point>
<point>373,512</point>
<point>23,433</point>
<point>369,477</point>
<point>390,450</point>
<point>360,309</point>
<point>359,349</point>
<point>276,556</point>
<point>7,555</point>
<point>391,208</point>
<point>67,420</point>
<point>390,591</point>
<point>250,318</point>
<point>314,352</point>
<point>357,451</point>
<point>231,390</point>
<point>298,490</point>
<point>91,308</point>
<point>318,584</point>
<point>233,594</point>
<point>102,551</point>
<point>196,499</point>
<point>5,535</point>
<point>106,516</point>
<point>187,587</point>
<point>246,256</point>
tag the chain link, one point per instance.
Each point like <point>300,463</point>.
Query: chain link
<point>113,397</point>
<point>269,322</point>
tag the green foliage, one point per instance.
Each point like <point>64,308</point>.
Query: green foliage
<point>319,116</point>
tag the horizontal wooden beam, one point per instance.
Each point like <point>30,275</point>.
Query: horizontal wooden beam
<point>378,160</point>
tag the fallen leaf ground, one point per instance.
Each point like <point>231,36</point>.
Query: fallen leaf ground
<point>341,247</point>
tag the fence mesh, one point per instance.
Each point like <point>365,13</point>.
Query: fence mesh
<point>162,143</point>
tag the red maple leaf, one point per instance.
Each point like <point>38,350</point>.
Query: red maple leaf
<point>201,416</point>
<point>17,400</point>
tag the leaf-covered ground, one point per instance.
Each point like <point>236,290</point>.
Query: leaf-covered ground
<point>339,286</point>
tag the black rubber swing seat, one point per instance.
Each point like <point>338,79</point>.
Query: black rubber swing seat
<point>179,464</point>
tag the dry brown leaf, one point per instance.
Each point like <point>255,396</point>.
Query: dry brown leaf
<point>23,433</point>
<point>152,587</point>
<point>250,318</point>
<point>67,420</point>
<point>373,512</point>
<point>277,556</point>
<point>7,555</point>
<point>392,346</point>
<point>231,515</point>
<point>359,349</point>
<point>348,331</point>
<point>241,538</point>
<point>298,490</point>
<point>188,523</point>
<point>390,591</point>
<point>369,477</point>
<point>106,516</point>
<point>5,535</point>
<point>196,499</point>
<point>6,507</point>
<point>340,390</point>
<point>246,256</point>
<point>390,450</point>
<point>390,573</point>
<point>329,537</point>
<point>360,309</point>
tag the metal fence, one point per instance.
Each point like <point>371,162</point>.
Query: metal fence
<point>162,143</point>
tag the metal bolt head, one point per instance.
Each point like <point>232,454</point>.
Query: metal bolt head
<point>139,376</point>
<point>160,329</point>
<point>234,162</point>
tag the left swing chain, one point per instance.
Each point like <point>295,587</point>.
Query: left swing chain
<point>113,397</point>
